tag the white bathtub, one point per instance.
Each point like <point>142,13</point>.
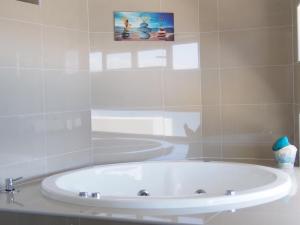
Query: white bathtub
<point>171,185</point>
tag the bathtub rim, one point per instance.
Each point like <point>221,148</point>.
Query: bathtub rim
<point>275,190</point>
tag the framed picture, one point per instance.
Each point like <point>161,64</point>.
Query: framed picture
<point>143,26</point>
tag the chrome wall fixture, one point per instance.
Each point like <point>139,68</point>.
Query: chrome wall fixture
<point>36,2</point>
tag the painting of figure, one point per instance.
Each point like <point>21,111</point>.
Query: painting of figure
<point>144,26</point>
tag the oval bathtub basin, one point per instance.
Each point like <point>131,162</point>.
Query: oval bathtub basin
<point>205,186</point>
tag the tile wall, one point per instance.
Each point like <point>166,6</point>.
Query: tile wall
<point>222,90</point>
<point>45,122</point>
<point>71,96</point>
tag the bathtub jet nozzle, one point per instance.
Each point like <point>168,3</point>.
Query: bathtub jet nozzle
<point>230,193</point>
<point>143,193</point>
<point>83,194</point>
<point>200,192</point>
<point>96,195</point>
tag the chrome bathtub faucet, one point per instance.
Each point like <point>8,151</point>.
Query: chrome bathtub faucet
<point>10,184</point>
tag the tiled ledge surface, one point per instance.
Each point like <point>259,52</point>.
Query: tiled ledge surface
<point>29,206</point>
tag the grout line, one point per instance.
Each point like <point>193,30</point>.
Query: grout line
<point>220,81</point>
<point>294,46</point>
<point>157,108</point>
<point>162,84</point>
<point>45,141</point>
<point>256,66</point>
<point>253,28</point>
<point>146,69</point>
<point>42,24</point>
<point>17,67</point>
<point>45,68</point>
<point>201,83</point>
<point>216,31</point>
<point>20,21</point>
<point>92,153</point>
<point>44,113</point>
<point>45,158</point>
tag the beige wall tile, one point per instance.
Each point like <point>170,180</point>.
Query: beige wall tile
<point>130,128</point>
<point>107,54</point>
<point>21,91</point>
<point>244,124</point>
<point>184,52</point>
<point>248,150</point>
<point>257,85</point>
<point>65,13</point>
<point>212,150</point>
<point>209,50</point>
<point>186,14</point>
<point>126,89</point>
<point>256,47</point>
<point>20,44</point>
<point>256,123</point>
<point>66,49</point>
<point>183,124</point>
<point>22,139</point>
<point>182,88</point>
<point>68,161</point>
<point>68,132</point>
<point>211,124</point>
<point>210,87</point>
<point>20,11</point>
<point>66,91</point>
<point>208,15</point>
<point>279,121</point>
<point>236,14</point>
<point>101,12</point>
<point>27,170</point>
<point>212,132</point>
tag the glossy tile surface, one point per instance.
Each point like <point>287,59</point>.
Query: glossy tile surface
<point>209,50</point>
<point>255,47</point>
<point>210,83</point>
<point>70,13</point>
<point>186,14</point>
<point>208,15</point>
<point>257,85</point>
<point>21,91</point>
<point>98,10</point>
<point>182,87</point>
<point>67,132</point>
<point>65,49</point>
<point>21,44</point>
<point>236,14</point>
<point>72,96</point>
<point>66,91</point>
<point>21,11</point>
